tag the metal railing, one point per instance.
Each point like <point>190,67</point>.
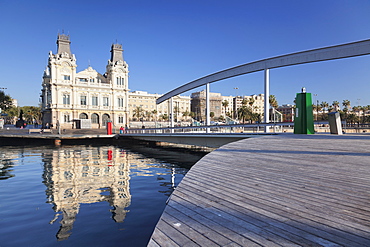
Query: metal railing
<point>218,129</point>
<point>253,129</point>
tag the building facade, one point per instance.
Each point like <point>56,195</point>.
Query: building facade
<point>198,104</point>
<point>256,102</point>
<point>287,111</point>
<point>227,108</point>
<point>150,111</point>
<point>69,96</point>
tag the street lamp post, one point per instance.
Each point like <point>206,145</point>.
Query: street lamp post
<point>236,102</point>
<point>317,105</point>
<point>236,88</point>
<point>358,103</point>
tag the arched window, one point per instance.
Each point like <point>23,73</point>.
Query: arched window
<point>66,99</point>
<point>66,118</point>
<point>83,116</point>
<point>120,81</point>
<point>94,118</point>
<point>105,119</point>
<point>121,102</point>
<point>121,119</point>
<point>105,101</point>
<point>83,100</point>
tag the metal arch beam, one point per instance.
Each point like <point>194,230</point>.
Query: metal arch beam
<point>353,49</point>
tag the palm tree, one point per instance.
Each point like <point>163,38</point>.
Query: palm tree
<point>367,119</point>
<point>186,114</point>
<point>5,101</point>
<point>255,117</point>
<point>273,102</point>
<point>244,113</point>
<point>176,110</point>
<point>259,117</point>
<point>324,105</point>
<point>346,103</point>
<point>31,113</point>
<point>164,117</point>
<point>12,114</point>
<point>225,104</point>
<point>251,102</point>
<point>318,109</point>
<point>245,102</point>
<point>155,112</point>
<point>138,112</point>
<point>357,110</point>
<point>364,109</point>
<point>336,105</point>
<point>352,118</point>
<point>330,108</point>
<point>314,108</point>
<point>148,115</point>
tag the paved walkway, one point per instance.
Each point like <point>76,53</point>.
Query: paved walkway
<point>17,131</point>
<point>292,190</point>
<point>15,136</point>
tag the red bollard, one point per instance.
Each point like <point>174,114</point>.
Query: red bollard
<point>109,128</point>
<point>110,154</point>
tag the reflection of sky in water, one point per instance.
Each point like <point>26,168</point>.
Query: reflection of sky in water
<point>88,190</point>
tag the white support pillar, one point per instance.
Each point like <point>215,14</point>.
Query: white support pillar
<point>208,122</point>
<point>127,110</point>
<point>267,96</point>
<point>171,112</point>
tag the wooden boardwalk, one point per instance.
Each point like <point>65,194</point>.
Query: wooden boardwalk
<point>292,190</point>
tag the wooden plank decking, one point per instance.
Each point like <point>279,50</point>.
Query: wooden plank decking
<point>293,190</point>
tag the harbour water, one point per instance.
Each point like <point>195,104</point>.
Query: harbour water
<point>83,195</point>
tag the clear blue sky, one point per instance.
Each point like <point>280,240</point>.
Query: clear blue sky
<point>170,42</point>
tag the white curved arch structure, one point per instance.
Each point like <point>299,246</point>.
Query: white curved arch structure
<point>359,48</point>
<point>347,50</point>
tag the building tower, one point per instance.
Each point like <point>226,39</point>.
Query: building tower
<point>117,75</point>
<point>60,71</point>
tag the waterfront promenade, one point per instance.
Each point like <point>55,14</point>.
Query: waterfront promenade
<point>286,190</point>
<point>16,136</point>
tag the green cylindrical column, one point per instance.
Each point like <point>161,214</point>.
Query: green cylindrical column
<point>303,119</point>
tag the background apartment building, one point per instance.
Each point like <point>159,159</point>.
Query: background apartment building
<point>256,103</point>
<point>287,112</point>
<point>142,106</point>
<point>225,106</point>
<point>198,104</point>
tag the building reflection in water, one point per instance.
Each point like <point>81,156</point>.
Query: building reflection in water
<point>5,168</point>
<point>82,174</point>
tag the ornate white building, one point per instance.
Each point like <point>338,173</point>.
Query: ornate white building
<point>68,96</point>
